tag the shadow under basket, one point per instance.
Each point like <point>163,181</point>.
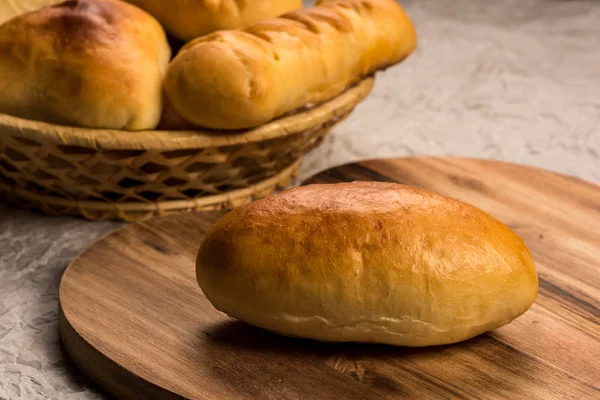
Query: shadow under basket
<point>110,174</point>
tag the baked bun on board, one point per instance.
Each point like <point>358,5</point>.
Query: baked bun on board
<point>241,79</point>
<point>367,262</point>
<point>89,63</point>
<point>189,19</point>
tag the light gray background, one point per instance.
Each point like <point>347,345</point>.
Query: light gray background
<point>509,80</point>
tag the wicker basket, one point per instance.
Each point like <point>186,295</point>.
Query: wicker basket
<point>106,174</point>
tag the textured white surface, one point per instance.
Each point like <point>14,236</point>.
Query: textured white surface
<point>510,80</point>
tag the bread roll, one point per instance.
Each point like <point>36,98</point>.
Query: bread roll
<point>96,64</point>
<point>187,19</point>
<point>13,8</point>
<point>367,262</point>
<point>242,79</point>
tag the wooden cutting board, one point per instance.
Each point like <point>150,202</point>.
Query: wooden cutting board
<point>134,319</point>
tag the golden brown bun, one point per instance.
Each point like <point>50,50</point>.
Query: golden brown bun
<point>367,262</point>
<point>13,8</point>
<point>189,19</point>
<point>96,64</point>
<point>242,79</point>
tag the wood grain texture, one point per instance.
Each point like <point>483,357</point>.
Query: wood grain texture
<point>134,319</point>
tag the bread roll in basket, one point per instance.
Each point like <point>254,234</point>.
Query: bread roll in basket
<point>98,65</point>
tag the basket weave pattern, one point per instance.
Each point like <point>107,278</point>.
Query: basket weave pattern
<point>103,176</point>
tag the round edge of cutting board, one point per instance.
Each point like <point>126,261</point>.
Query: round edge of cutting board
<point>100,368</point>
<point>107,373</point>
<point>123,383</point>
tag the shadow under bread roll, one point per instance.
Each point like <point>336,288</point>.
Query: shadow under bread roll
<point>89,63</point>
<point>244,78</point>
<point>367,262</point>
<point>188,19</point>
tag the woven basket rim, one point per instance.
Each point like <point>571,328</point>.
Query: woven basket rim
<point>185,139</point>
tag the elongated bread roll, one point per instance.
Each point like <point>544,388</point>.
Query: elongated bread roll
<point>242,79</point>
<point>367,262</point>
<point>188,19</point>
<point>90,63</point>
